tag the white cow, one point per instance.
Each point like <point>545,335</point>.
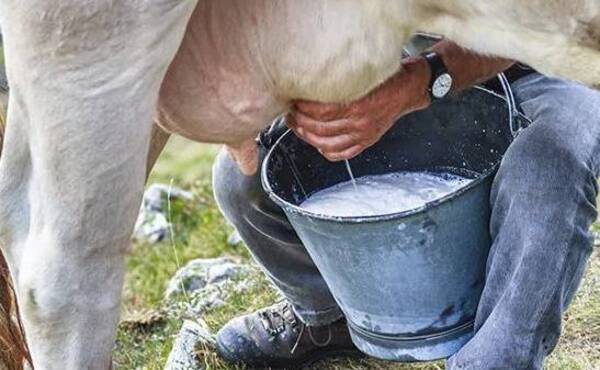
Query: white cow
<point>88,78</point>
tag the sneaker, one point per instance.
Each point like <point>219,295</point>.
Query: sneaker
<point>274,337</point>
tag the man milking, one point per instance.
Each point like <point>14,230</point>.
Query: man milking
<point>543,203</point>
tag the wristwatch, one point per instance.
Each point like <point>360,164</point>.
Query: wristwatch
<point>441,81</point>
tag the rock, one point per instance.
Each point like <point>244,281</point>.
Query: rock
<point>206,284</point>
<point>192,335</point>
<point>234,239</point>
<point>221,272</point>
<point>152,224</point>
<point>157,194</point>
<point>151,227</point>
<point>211,297</point>
<point>197,274</point>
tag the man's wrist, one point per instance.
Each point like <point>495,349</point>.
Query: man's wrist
<point>407,91</point>
<point>416,75</point>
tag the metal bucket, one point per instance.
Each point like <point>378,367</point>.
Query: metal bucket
<point>408,283</point>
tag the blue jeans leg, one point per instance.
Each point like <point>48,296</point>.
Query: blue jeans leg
<point>273,242</point>
<point>544,202</point>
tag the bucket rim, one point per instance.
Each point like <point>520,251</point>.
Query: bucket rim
<point>371,218</point>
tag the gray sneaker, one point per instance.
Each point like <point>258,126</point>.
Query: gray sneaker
<point>274,337</point>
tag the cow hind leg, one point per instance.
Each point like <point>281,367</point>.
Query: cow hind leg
<point>14,353</point>
<point>84,83</point>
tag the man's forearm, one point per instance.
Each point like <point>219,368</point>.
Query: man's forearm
<point>465,67</point>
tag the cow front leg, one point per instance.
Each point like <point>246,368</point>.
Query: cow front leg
<point>85,78</point>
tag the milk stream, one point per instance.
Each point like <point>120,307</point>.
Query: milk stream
<point>384,194</point>
<point>349,169</point>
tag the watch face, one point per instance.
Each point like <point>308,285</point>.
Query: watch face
<point>441,86</point>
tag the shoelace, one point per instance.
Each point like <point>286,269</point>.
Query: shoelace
<point>312,338</point>
<point>274,321</point>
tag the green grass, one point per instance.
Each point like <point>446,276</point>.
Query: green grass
<point>184,162</point>
<point>146,333</point>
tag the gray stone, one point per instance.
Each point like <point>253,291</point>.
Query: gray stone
<point>206,284</point>
<point>197,274</point>
<point>192,335</point>
<point>234,239</point>
<point>156,196</point>
<point>211,297</point>
<point>152,225</point>
<point>225,271</point>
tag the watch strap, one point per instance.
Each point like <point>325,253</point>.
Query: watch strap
<point>437,67</point>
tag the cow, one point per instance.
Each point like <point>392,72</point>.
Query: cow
<point>97,84</point>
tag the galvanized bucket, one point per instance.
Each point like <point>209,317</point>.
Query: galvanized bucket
<point>408,283</point>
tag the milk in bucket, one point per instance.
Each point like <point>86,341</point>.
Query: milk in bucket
<point>384,194</point>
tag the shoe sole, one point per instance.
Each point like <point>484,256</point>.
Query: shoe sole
<point>298,364</point>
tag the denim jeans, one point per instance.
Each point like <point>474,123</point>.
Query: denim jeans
<point>543,203</point>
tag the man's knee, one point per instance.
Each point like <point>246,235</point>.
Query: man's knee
<point>565,130</point>
<point>547,177</point>
<point>233,191</point>
<point>544,157</point>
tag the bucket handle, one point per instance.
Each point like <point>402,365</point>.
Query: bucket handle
<point>514,117</point>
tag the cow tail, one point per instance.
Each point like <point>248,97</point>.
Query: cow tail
<point>14,353</point>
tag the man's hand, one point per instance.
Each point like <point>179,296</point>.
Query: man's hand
<point>342,131</point>
<point>245,154</point>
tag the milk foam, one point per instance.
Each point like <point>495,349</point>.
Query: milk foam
<point>383,194</point>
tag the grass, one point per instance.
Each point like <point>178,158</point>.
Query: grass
<point>146,333</point>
